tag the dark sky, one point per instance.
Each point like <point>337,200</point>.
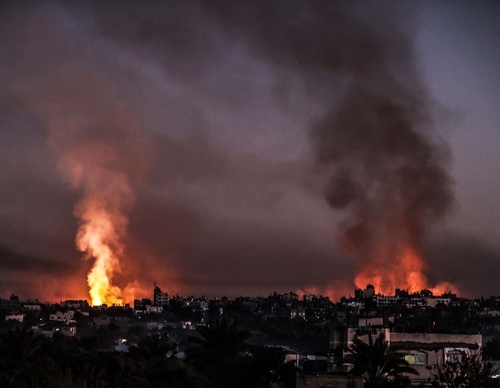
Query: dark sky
<point>242,146</point>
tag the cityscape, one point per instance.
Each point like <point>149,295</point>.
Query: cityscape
<point>249,194</point>
<point>310,336</point>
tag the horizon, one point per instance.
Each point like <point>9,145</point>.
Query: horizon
<point>211,297</point>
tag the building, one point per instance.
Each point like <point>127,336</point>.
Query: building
<point>32,307</point>
<point>12,303</point>
<point>325,381</point>
<point>435,301</point>
<point>75,304</point>
<point>160,298</point>
<point>421,350</point>
<point>62,317</point>
<point>15,317</point>
<point>154,309</point>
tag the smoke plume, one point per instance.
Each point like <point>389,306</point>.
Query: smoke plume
<point>390,180</point>
<point>184,132</point>
<point>102,154</point>
<point>388,176</point>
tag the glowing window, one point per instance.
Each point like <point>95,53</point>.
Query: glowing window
<point>416,358</point>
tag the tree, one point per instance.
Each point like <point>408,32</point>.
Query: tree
<point>491,350</point>
<point>19,346</point>
<point>377,363</point>
<point>267,364</point>
<point>152,348</point>
<point>468,372</point>
<point>20,351</point>
<point>152,354</point>
<point>218,351</point>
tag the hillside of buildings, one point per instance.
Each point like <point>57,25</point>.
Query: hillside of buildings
<point>310,335</point>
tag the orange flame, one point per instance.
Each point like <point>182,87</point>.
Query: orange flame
<point>405,271</point>
<point>101,151</point>
<point>96,237</point>
<point>107,196</point>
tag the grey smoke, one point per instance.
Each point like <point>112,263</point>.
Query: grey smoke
<point>172,88</point>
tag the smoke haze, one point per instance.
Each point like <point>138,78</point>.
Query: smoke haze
<point>215,138</point>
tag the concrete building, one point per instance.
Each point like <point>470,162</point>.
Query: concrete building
<point>154,309</point>
<point>32,307</point>
<point>62,317</point>
<point>434,301</point>
<point>13,303</point>
<point>76,304</point>
<point>421,350</point>
<point>328,381</point>
<point>160,298</point>
<point>15,317</point>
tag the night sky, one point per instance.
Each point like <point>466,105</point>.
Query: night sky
<point>246,147</point>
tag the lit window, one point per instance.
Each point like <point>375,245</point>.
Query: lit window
<point>416,358</point>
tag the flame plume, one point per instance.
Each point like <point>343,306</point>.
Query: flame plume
<point>391,182</point>
<point>102,214</point>
<point>97,236</point>
<point>405,270</point>
<point>102,153</point>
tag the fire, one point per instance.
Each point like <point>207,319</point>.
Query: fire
<point>404,271</point>
<point>102,211</point>
<point>97,237</point>
<point>328,291</point>
<point>102,153</point>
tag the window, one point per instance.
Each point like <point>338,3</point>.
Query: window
<point>416,358</point>
<point>453,356</point>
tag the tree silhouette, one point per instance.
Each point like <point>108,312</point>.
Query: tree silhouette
<point>151,354</point>
<point>469,372</point>
<point>218,351</point>
<point>19,346</point>
<point>491,350</point>
<point>152,347</point>
<point>268,366</point>
<point>377,363</point>
<point>20,350</point>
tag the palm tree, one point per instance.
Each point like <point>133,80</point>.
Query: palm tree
<point>152,347</point>
<point>268,365</point>
<point>121,370</point>
<point>152,354</point>
<point>218,350</point>
<point>377,363</point>
<point>20,349</point>
<point>20,346</point>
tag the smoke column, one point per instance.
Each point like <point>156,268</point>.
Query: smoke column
<point>387,176</point>
<point>59,76</point>
<point>102,214</point>
<point>353,60</point>
<point>389,179</point>
<point>102,154</point>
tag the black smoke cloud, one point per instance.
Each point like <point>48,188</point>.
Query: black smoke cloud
<point>387,173</point>
<point>208,109</point>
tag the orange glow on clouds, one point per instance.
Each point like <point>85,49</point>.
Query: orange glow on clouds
<point>328,291</point>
